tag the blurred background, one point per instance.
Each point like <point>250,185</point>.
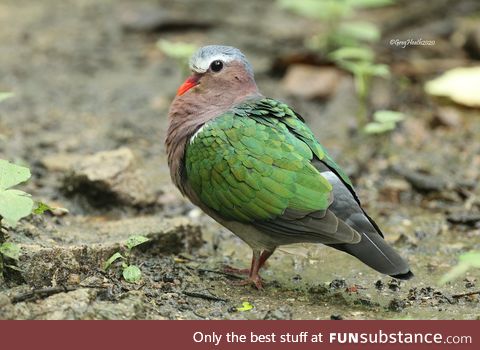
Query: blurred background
<point>390,88</point>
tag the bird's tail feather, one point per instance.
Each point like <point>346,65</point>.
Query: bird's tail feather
<point>376,253</point>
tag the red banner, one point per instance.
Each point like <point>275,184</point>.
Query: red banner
<point>247,335</point>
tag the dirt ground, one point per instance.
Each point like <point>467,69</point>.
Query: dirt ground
<point>88,77</point>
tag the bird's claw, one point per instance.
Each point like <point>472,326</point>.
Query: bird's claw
<point>256,281</point>
<point>235,271</point>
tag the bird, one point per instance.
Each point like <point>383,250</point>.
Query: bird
<point>252,164</point>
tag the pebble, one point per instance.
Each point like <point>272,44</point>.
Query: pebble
<point>394,285</point>
<point>338,284</point>
<point>447,117</point>
<point>336,317</point>
<point>396,305</point>
<point>110,177</point>
<point>379,285</point>
<point>311,82</point>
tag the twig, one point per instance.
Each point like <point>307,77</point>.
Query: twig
<point>221,273</point>
<point>466,294</point>
<point>203,296</point>
<point>198,315</point>
<point>42,293</point>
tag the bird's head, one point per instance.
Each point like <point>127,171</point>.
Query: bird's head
<point>221,78</point>
<point>217,70</point>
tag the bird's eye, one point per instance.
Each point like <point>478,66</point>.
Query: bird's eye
<point>216,66</point>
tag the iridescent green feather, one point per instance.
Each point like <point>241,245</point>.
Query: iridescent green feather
<point>254,162</point>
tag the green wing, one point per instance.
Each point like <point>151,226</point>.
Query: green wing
<point>247,171</point>
<point>254,164</point>
<point>297,126</point>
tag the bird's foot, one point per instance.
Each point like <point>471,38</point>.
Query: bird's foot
<point>235,271</point>
<point>256,281</point>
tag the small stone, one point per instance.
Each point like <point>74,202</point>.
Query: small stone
<point>447,117</point>
<point>232,309</point>
<point>379,285</point>
<point>469,282</point>
<point>297,278</point>
<point>282,313</point>
<point>310,82</point>
<point>338,284</point>
<point>157,278</point>
<point>61,162</point>
<point>396,305</point>
<point>393,189</point>
<point>4,300</point>
<point>404,240</point>
<point>319,290</point>
<point>110,177</point>
<point>168,278</point>
<point>353,288</point>
<point>216,314</point>
<point>336,317</point>
<point>420,234</point>
<point>73,279</point>
<point>94,281</point>
<point>472,298</point>
<point>423,182</point>
<point>467,218</point>
<point>365,302</point>
<point>394,285</point>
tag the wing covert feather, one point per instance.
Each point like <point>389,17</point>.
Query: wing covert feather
<point>254,164</point>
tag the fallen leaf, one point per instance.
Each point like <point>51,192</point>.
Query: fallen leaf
<point>461,85</point>
<point>246,306</point>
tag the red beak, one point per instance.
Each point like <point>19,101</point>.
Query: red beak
<point>188,84</point>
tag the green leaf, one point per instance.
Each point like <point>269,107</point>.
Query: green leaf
<point>5,95</point>
<point>14,205</point>
<point>378,128</point>
<point>353,54</point>
<point>318,9</point>
<point>10,250</point>
<point>364,31</point>
<point>132,274</point>
<point>379,70</point>
<point>466,261</point>
<point>386,116</point>
<point>471,258</point>
<point>370,3</point>
<point>246,306</point>
<point>178,50</point>
<point>110,260</point>
<point>135,240</point>
<point>12,174</point>
<point>43,207</point>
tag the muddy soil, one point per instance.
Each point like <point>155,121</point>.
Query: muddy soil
<point>88,77</point>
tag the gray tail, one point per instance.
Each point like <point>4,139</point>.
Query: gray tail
<point>376,253</point>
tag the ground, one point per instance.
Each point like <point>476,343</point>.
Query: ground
<point>88,77</point>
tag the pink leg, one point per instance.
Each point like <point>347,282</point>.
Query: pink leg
<point>258,260</point>
<point>235,271</point>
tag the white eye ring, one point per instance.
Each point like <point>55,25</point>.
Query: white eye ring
<point>203,64</point>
